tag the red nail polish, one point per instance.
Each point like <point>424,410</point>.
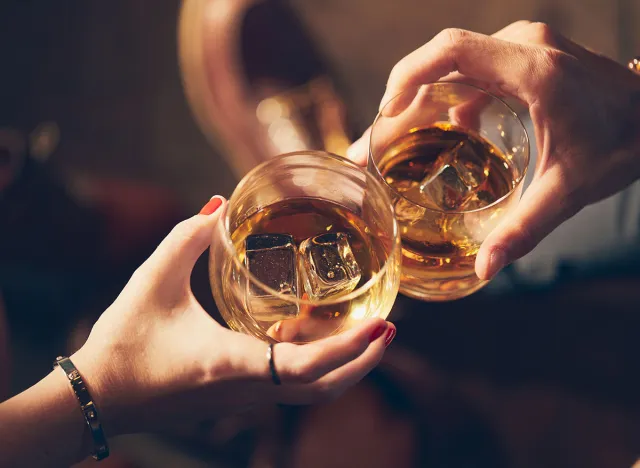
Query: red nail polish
<point>377,333</point>
<point>211,206</point>
<point>391,334</point>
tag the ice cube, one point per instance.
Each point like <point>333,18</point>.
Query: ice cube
<point>472,167</point>
<point>446,188</point>
<point>456,175</point>
<point>272,259</point>
<point>328,266</point>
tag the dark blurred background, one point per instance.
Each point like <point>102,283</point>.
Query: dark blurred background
<point>100,155</point>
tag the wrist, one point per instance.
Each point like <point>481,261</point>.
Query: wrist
<point>57,386</point>
<point>101,384</point>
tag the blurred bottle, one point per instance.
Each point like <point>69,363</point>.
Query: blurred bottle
<point>256,83</point>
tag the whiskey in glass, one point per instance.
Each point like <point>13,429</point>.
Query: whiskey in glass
<point>453,158</point>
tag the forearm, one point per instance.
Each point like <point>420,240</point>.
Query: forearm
<point>43,426</point>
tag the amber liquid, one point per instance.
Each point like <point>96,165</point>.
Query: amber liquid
<point>439,247</point>
<point>304,218</point>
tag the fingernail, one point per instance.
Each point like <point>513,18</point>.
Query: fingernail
<point>497,262</point>
<point>211,206</point>
<point>377,333</point>
<point>391,334</point>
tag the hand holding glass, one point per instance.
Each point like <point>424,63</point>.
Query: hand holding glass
<point>453,158</point>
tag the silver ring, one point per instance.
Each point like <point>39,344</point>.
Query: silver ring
<point>272,366</point>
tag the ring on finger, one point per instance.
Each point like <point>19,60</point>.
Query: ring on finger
<point>272,365</point>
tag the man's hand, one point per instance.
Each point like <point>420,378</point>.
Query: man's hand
<point>584,109</point>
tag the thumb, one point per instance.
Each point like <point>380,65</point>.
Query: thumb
<point>177,254</point>
<point>544,206</point>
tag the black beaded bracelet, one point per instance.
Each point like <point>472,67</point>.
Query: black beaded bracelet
<point>89,411</point>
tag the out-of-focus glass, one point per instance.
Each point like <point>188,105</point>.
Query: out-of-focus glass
<point>452,158</point>
<point>308,247</point>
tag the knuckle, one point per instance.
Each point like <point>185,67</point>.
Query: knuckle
<point>552,68</point>
<point>138,273</point>
<point>554,60</point>
<point>181,230</point>
<point>543,34</point>
<point>141,275</point>
<point>353,349</point>
<point>185,233</point>
<point>520,24</point>
<point>398,71</point>
<point>454,37</point>
<point>303,372</point>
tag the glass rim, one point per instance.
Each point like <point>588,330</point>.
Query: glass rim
<point>375,278</point>
<point>467,85</point>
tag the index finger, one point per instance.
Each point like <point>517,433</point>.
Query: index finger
<point>309,362</point>
<point>511,67</point>
<point>305,363</point>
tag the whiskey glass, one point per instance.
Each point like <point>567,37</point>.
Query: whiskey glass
<point>307,247</point>
<point>453,158</point>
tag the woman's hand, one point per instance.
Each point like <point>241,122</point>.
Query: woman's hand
<point>155,358</point>
<point>584,107</point>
